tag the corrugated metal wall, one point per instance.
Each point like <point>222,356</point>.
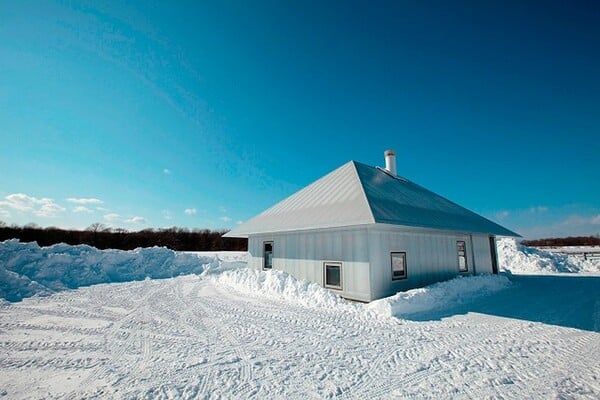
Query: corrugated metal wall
<point>430,257</point>
<point>302,254</point>
<point>483,254</point>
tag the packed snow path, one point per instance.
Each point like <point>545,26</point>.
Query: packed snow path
<point>186,337</point>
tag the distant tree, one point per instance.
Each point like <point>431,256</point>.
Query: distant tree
<point>96,227</point>
<point>100,236</point>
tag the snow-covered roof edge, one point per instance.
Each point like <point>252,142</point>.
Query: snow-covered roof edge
<point>335,200</point>
<point>358,194</point>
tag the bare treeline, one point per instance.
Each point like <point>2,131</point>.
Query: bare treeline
<point>104,237</point>
<point>561,242</point>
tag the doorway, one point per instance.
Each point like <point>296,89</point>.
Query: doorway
<point>494,255</point>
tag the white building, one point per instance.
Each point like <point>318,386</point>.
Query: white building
<point>367,233</point>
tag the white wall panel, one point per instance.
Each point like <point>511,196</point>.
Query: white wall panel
<point>365,255</point>
<point>430,257</point>
<point>302,254</point>
<point>483,254</point>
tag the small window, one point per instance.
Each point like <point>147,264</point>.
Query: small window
<point>333,275</point>
<point>462,256</point>
<point>268,255</point>
<point>398,266</point>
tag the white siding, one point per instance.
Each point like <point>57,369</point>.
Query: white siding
<point>302,254</point>
<point>365,254</point>
<point>483,254</point>
<point>430,257</point>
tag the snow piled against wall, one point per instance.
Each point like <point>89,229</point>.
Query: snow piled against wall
<point>279,285</point>
<point>457,291</point>
<point>27,269</point>
<point>519,259</point>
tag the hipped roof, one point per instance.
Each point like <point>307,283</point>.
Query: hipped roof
<point>358,194</point>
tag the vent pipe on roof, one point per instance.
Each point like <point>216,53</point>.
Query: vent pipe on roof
<point>390,161</point>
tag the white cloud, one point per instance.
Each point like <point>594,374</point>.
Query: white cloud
<point>167,171</point>
<point>225,219</point>
<point>21,202</point>
<point>538,209</point>
<point>502,214</point>
<point>82,209</point>
<point>135,220</point>
<point>112,217</point>
<point>84,200</point>
<point>4,213</point>
<point>49,209</point>
<point>578,220</point>
<point>166,214</point>
<point>190,211</point>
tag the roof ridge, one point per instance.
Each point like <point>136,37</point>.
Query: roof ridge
<point>362,188</point>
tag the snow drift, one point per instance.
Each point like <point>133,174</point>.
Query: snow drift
<point>27,269</point>
<point>457,291</point>
<point>280,285</point>
<point>519,259</point>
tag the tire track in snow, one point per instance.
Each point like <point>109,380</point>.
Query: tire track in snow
<point>291,351</point>
<point>119,339</point>
<point>241,387</point>
<point>291,319</point>
<point>192,319</point>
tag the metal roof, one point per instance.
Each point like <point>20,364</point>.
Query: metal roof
<point>357,194</point>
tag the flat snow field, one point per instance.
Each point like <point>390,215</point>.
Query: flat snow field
<point>244,334</point>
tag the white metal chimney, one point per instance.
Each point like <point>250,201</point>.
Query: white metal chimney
<point>390,161</point>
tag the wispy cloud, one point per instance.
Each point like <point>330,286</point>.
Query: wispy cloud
<point>84,200</point>
<point>538,209</point>
<point>578,220</point>
<point>225,219</point>
<point>190,211</point>
<point>502,215</point>
<point>136,220</point>
<point>166,214</point>
<point>82,209</point>
<point>43,207</point>
<point>112,217</point>
<point>167,171</point>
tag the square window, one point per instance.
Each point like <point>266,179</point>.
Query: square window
<point>333,275</point>
<point>398,266</point>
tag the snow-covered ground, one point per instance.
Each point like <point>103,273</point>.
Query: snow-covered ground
<point>519,259</point>
<point>214,329</point>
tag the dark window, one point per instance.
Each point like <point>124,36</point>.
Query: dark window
<point>333,275</point>
<point>462,256</point>
<point>398,266</point>
<point>268,255</point>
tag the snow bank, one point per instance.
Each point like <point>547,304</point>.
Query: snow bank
<point>457,291</point>
<point>519,259</point>
<point>278,284</point>
<point>27,269</point>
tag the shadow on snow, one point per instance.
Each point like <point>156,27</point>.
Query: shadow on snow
<point>566,300</point>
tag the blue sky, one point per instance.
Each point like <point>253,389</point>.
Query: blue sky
<point>202,114</point>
